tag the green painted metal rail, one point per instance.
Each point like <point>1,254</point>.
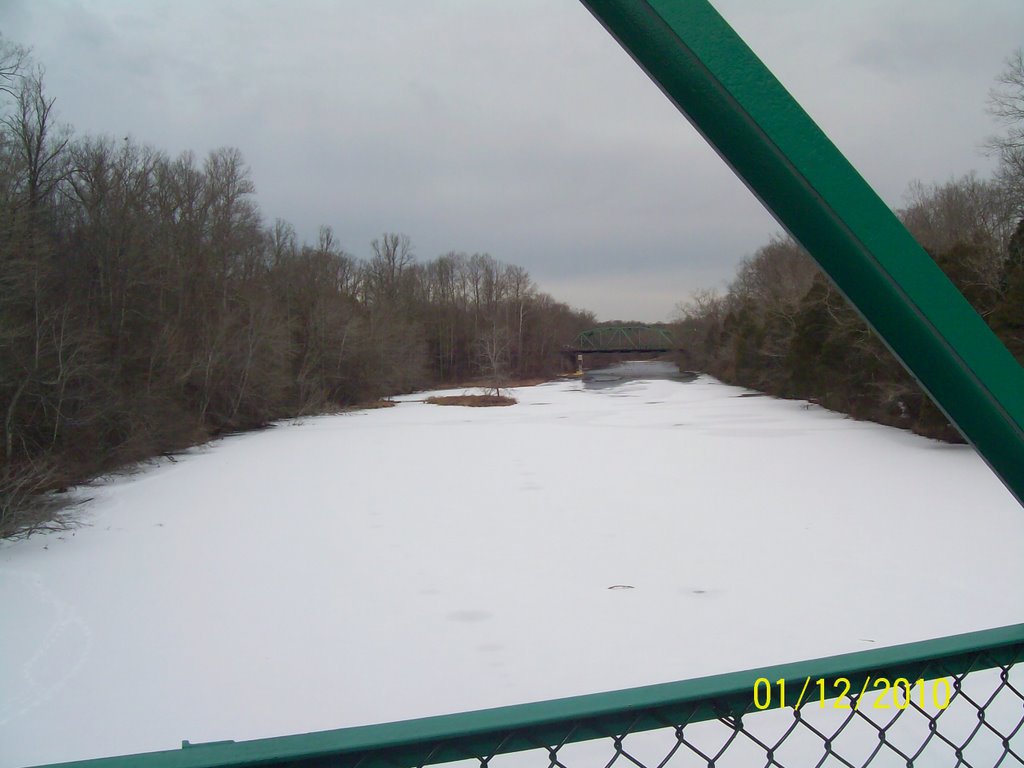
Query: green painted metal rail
<point>552,724</point>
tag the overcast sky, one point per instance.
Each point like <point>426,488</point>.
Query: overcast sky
<point>517,128</point>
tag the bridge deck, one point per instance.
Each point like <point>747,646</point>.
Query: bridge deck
<point>620,350</point>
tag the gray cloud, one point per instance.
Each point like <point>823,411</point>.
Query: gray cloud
<point>520,129</point>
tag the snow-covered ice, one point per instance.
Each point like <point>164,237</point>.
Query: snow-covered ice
<point>418,560</point>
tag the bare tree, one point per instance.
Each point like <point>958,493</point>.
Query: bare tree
<point>13,63</point>
<point>520,290</point>
<point>493,356</point>
<point>39,143</point>
<point>388,270</point>
<point>1006,104</point>
<point>966,225</point>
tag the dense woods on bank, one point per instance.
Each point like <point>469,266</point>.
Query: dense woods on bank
<point>145,306</point>
<point>782,328</point>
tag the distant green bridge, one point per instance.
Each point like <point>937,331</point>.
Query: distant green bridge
<point>622,338</point>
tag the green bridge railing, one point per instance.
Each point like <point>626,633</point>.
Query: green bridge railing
<point>955,701</point>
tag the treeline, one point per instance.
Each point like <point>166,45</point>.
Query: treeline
<point>144,306</point>
<point>782,328</point>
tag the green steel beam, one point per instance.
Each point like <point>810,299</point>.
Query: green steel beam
<point>582,718</point>
<point>710,74</point>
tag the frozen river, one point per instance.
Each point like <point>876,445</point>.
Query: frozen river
<point>417,560</point>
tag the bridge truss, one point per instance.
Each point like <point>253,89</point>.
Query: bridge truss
<point>622,338</point>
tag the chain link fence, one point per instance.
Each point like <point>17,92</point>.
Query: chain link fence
<point>971,719</point>
<point>954,701</point>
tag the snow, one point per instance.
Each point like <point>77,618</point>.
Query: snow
<point>418,560</point>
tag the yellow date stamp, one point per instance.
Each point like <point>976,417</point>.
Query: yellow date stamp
<point>876,693</point>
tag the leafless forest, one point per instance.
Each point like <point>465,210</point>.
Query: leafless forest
<point>145,306</point>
